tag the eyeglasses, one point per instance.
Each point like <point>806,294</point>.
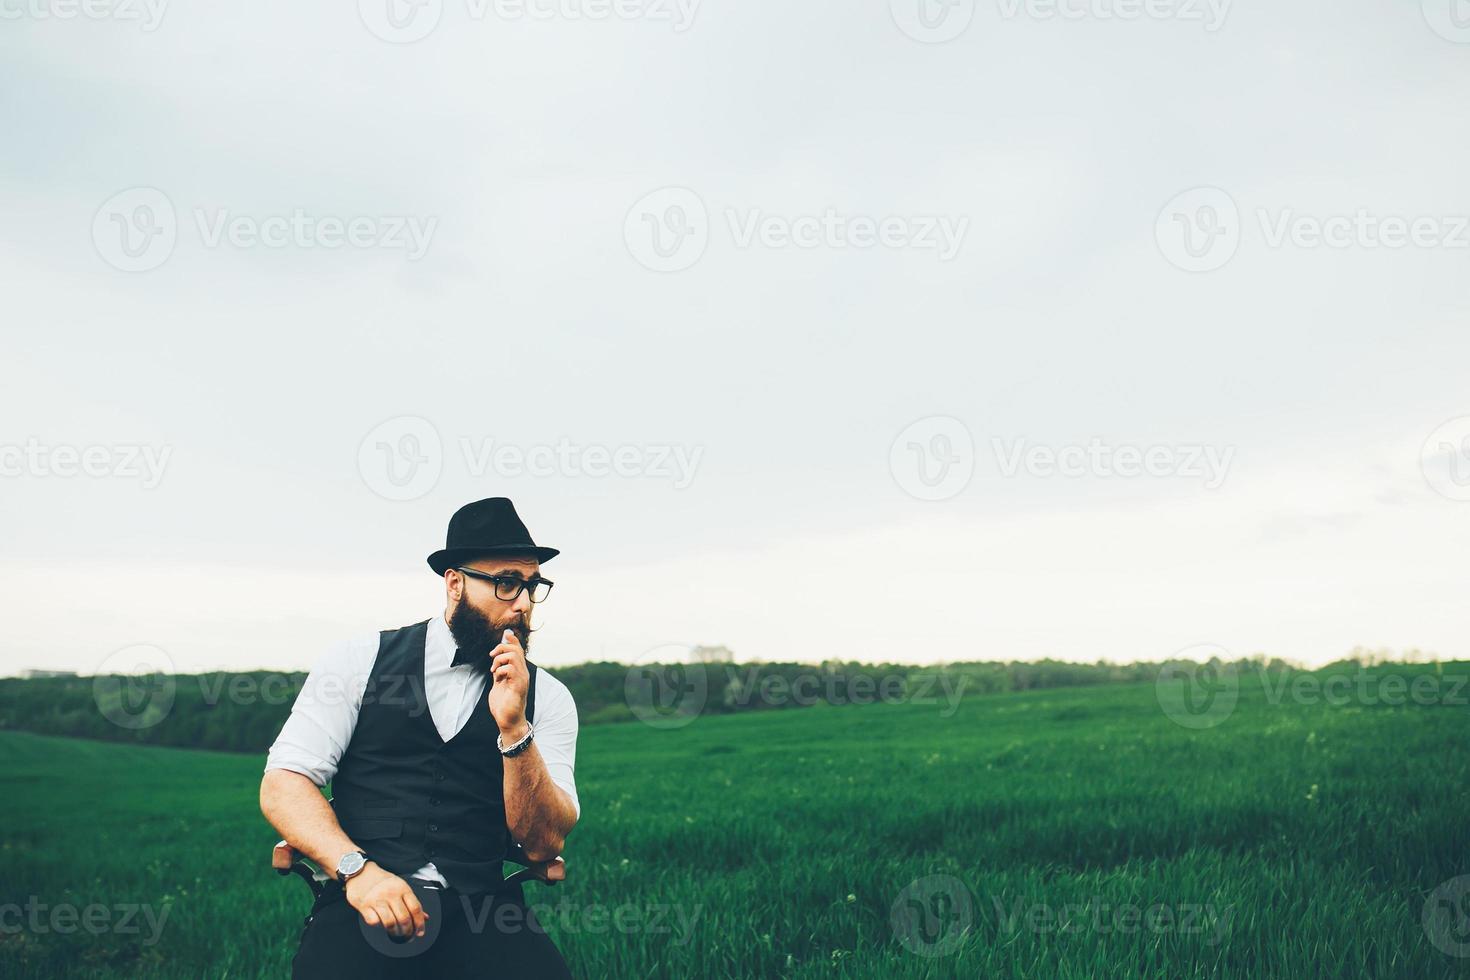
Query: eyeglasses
<point>508,587</point>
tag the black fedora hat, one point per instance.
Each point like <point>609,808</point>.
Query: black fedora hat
<point>486,528</point>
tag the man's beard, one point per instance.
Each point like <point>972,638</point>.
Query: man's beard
<point>473,632</point>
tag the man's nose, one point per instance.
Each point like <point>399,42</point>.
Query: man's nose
<point>522,603</point>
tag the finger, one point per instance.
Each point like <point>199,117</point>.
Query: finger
<point>385,913</point>
<point>508,639</point>
<point>370,917</point>
<point>507,659</point>
<point>416,910</point>
<point>406,924</point>
<point>556,871</point>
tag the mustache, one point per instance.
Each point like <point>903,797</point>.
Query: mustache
<point>474,632</point>
<point>481,665</point>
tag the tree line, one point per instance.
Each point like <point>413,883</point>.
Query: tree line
<point>243,711</point>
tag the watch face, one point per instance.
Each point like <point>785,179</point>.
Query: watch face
<point>350,864</point>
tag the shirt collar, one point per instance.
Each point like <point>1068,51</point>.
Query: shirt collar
<point>439,644</point>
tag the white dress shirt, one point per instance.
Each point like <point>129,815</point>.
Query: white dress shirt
<point>325,713</point>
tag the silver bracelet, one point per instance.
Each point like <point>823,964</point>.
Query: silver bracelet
<point>521,743</point>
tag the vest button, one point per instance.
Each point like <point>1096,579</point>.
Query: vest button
<point>438,777</point>
<point>433,828</point>
<point>433,802</point>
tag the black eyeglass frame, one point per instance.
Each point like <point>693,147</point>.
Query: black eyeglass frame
<point>520,583</point>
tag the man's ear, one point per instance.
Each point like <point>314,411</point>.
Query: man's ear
<point>453,584</point>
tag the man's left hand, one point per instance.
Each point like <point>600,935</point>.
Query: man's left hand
<point>550,871</point>
<point>512,682</point>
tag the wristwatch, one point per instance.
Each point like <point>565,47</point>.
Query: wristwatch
<point>522,743</point>
<point>351,864</point>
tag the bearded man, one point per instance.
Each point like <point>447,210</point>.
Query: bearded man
<point>446,749</point>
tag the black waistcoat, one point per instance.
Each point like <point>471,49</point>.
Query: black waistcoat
<point>405,795</point>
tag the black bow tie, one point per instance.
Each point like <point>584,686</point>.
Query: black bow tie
<point>472,658</point>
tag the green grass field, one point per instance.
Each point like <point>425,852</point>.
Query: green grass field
<point>1058,834</point>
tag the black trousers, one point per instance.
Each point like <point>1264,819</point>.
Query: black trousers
<point>480,936</point>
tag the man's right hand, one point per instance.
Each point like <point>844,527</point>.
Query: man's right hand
<point>384,899</point>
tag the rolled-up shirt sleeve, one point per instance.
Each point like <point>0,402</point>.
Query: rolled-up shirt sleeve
<point>325,713</point>
<point>556,734</point>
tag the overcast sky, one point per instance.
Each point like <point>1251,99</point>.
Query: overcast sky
<point>825,329</point>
